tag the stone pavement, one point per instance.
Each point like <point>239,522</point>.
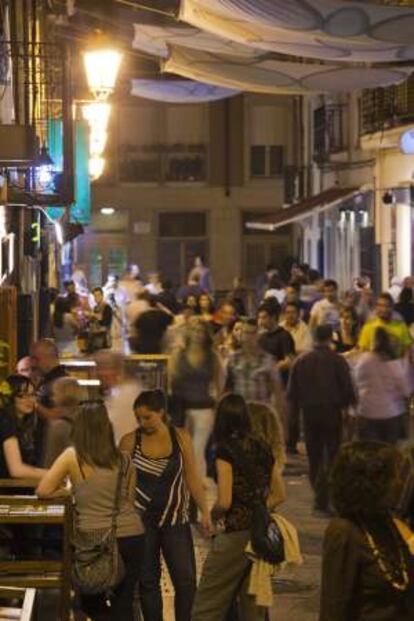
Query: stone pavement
<point>296,590</point>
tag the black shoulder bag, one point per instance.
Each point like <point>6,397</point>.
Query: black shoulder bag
<point>265,536</point>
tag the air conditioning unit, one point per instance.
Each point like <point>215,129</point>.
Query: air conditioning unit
<point>18,145</point>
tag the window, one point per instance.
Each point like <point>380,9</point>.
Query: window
<point>269,131</point>
<point>185,224</point>
<point>328,130</point>
<point>182,237</point>
<point>266,160</point>
<point>163,143</point>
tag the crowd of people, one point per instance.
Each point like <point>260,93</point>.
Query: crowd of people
<point>244,388</point>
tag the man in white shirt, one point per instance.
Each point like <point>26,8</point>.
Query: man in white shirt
<point>120,392</point>
<point>327,310</point>
<point>297,328</point>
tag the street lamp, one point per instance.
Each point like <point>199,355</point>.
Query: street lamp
<point>97,116</point>
<point>102,64</point>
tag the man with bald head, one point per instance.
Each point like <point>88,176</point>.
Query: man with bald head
<point>45,362</point>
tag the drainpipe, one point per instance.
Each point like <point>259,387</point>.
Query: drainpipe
<point>227,138</point>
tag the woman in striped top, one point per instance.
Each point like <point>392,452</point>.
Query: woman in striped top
<point>166,476</point>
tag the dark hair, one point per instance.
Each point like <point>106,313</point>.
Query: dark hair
<point>362,477</point>
<point>386,296</point>
<point>154,400</point>
<point>97,289</point>
<point>383,345</point>
<point>406,295</point>
<point>275,282</point>
<point>93,436</point>
<point>323,333</point>
<point>232,417</point>
<point>167,285</point>
<point>313,275</point>
<point>270,306</point>
<point>19,384</point>
<point>206,294</point>
<point>68,283</point>
<point>329,282</point>
<point>270,267</point>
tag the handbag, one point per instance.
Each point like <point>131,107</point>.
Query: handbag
<point>97,563</point>
<point>265,536</point>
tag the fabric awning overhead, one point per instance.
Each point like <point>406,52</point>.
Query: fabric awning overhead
<point>264,75</point>
<point>322,29</point>
<point>157,40</point>
<point>320,202</point>
<point>179,91</point>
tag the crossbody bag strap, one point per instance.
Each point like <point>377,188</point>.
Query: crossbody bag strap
<point>117,502</point>
<point>80,466</point>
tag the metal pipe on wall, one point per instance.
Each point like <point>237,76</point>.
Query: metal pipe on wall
<point>68,127</point>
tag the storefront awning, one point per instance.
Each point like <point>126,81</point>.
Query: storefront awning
<point>320,202</point>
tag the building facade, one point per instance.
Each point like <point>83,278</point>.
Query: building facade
<point>184,180</point>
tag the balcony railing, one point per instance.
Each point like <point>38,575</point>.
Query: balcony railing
<point>384,108</point>
<point>328,131</point>
<point>162,163</point>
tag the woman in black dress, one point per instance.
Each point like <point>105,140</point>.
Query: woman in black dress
<point>368,570</point>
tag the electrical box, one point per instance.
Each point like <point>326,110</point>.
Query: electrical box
<point>17,145</point>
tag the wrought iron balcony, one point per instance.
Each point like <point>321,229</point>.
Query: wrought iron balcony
<point>162,163</point>
<point>384,108</point>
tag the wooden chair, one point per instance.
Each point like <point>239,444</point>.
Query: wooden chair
<point>39,574</point>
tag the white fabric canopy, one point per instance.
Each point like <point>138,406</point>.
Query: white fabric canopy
<point>323,29</point>
<point>179,91</point>
<point>156,40</point>
<point>264,75</point>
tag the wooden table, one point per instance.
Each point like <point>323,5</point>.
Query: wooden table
<point>39,574</point>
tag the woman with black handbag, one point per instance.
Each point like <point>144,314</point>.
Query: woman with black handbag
<point>241,459</point>
<point>109,534</point>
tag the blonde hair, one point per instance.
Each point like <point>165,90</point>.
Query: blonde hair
<point>68,391</point>
<point>267,428</point>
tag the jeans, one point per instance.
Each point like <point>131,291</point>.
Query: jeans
<point>200,425</point>
<point>225,577</point>
<point>122,602</point>
<point>323,435</point>
<point>390,430</point>
<point>176,544</point>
